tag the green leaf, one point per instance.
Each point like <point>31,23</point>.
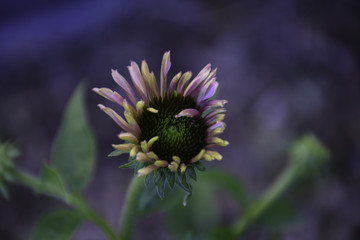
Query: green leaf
<point>73,151</point>
<point>58,225</point>
<point>117,152</point>
<point>52,182</point>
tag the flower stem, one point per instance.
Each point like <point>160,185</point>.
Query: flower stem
<point>79,204</point>
<point>73,200</point>
<point>281,184</point>
<point>130,208</point>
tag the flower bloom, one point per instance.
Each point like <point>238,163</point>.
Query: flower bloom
<point>167,129</point>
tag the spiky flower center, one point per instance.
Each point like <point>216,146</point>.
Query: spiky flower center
<point>183,137</point>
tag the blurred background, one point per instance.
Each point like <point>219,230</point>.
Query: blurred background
<point>285,66</point>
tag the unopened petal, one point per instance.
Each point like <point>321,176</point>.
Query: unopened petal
<point>134,151</point>
<point>147,170</point>
<point>144,146</point>
<point>123,147</point>
<point>217,141</point>
<point>152,155</point>
<point>161,163</point>
<point>153,110</point>
<point>127,136</point>
<point>140,107</point>
<point>173,166</point>
<point>176,159</point>
<point>198,156</point>
<point>152,141</point>
<point>215,154</point>
<point>183,167</point>
<point>142,157</point>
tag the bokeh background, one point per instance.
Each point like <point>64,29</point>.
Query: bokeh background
<point>285,66</point>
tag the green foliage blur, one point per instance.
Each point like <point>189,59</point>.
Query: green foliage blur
<point>72,165</point>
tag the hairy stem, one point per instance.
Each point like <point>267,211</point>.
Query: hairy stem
<point>281,184</point>
<point>130,208</point>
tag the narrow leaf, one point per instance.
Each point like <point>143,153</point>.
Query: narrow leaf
<point>131,164</point>
<point>116,153</point>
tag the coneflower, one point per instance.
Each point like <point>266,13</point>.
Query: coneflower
<point>167,131</point>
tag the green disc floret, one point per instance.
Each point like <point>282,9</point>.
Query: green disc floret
<point>183,137</point>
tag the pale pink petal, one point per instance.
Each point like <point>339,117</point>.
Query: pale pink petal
<point>138,80</point>
<point>204,84</point>
<point>189,112</point>
<point>110,95</point>
<point>205,90</point>
<point>218,124</point>
<point>210,91</point>
<point>121,81</point>
<point>212,104</point>
<point>165,66</point>
<point>183,82</point>
<point>214,112</point>
<point>154,84</point>
<point>216,118</point>
<point>147,78</point>
<point>173,83</point>
<point>132,123</point>
<point>203,74</point>
<point>119,120</point>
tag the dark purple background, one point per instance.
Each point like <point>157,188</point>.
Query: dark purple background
<point>285,66</point>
